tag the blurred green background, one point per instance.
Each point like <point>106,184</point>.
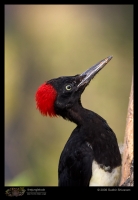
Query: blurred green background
<point>47,41</point>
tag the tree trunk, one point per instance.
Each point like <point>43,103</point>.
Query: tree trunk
<point>127,160</point>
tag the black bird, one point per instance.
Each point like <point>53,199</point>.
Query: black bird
<point>91,156</point>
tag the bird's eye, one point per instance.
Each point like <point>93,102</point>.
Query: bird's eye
<point>68,87</point>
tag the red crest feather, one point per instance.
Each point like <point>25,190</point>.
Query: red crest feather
<point>45,98</point>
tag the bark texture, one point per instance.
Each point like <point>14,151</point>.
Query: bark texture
<point>127,161</point>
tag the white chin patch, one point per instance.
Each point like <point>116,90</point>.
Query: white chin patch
<point>100,177</point>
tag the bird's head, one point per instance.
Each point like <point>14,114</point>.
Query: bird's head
<point>59,94</point>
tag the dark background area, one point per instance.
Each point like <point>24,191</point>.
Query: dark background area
<point>47,41</point>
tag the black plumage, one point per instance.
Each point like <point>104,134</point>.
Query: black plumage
<point>92,147</point>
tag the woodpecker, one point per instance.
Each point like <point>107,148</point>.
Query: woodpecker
<point>91,156</point>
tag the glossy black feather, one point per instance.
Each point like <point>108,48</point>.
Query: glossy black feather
<point>93,140</point>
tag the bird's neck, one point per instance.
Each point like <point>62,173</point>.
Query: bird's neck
<point>77,114</point>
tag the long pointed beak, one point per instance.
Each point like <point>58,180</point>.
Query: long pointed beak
<point>89,74</point>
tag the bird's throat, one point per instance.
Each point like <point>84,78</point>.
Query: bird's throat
<point>76,114</point>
